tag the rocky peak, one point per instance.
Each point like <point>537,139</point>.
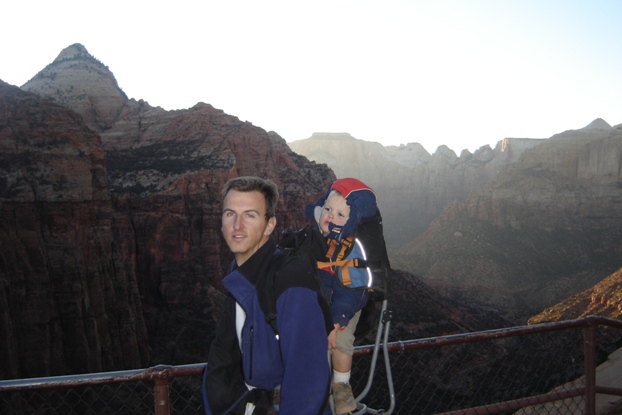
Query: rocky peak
<point>332,136</point>
<point>409,155</point>
<point>598,124</point>
<point>80,82</point>
<point>446,154</point>
<point>73,52</point>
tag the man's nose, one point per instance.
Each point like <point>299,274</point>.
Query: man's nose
<point>237,223</point>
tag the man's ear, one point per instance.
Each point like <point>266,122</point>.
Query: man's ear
<point>270,226</point>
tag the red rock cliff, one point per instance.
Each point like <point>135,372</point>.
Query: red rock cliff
<point>67,303</point>
<point>164,171</point>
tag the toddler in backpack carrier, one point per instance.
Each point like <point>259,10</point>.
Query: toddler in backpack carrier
<point>345,274</point>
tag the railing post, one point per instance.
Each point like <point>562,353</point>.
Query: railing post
<point>589,351</point>
<point>160,396</point>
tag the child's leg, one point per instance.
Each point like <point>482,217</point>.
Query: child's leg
<point>342,355</point>
<point>342,364</point>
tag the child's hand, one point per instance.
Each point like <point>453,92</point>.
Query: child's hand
<point>332,337</point>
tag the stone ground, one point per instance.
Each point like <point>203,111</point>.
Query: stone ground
<point>607,374</point>
<point>610,374</point>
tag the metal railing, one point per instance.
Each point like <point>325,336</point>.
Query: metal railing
<point>495,371</point>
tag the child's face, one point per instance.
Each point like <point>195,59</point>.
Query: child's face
<point>335,210</point>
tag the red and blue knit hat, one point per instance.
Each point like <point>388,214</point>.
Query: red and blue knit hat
<point>360,197</point>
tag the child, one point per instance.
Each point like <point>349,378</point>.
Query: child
<point>338,213</point>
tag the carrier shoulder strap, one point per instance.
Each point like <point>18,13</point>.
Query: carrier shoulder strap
<point>336,257</point>
<point>265,289</point>
<point>306,244</point>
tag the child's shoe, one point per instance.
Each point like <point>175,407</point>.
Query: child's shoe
<point>343,398</point>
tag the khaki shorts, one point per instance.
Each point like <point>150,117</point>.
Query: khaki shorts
<point>345,337</point>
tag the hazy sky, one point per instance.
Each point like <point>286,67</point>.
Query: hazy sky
<point>461,73</point>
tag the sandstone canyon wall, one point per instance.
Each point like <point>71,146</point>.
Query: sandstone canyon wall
<point>412,186</point>
<point>69,302</point>
<point>516,228</point>
<point>548,227</point>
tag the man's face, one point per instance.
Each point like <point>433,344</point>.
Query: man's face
<point>244,223</point>
<point>335,210</point>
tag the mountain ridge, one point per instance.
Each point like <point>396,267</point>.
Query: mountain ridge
<point>398,174</point>
<point>472,225</point>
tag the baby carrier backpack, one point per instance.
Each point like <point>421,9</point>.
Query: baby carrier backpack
<point>370,233</point>
<point>308,244</point>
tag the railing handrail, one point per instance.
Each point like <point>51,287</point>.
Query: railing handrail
<point>133,375</point>
<point>450,339</point>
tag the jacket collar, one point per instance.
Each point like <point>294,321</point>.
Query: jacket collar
<point>253,267</point>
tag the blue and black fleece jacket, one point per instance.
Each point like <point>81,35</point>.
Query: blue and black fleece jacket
<point>297,361</point>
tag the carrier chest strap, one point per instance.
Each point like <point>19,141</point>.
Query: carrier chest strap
<point>345,265</point>
<point>344,248</point>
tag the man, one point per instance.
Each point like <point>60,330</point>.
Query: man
<point>248,365</point>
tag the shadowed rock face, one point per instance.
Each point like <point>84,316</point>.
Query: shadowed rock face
<point>68,302</point>
<point>107,228</point>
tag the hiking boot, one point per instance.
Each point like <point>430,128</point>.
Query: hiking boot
<point>343,398</point>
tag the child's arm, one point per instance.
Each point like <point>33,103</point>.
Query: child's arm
<point>345,302</point>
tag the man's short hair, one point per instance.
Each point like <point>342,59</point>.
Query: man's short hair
<point>266,187</point>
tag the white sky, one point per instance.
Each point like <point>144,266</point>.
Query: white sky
<point>461,73</point>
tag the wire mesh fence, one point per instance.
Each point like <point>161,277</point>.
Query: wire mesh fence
<point>448,378</point>
<point>510,371</point>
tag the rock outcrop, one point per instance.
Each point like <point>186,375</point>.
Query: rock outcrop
<point>603,299</point>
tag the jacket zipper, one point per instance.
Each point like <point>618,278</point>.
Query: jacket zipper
<point>250,374</point>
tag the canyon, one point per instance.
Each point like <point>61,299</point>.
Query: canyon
<point>112,256</point>
<point>517,228</point>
